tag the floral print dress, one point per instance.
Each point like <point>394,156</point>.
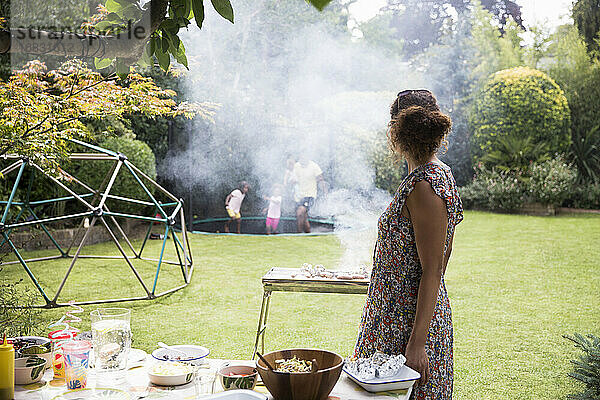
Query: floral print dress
<point>391,304</point>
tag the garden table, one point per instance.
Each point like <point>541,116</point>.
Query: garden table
<point>281,280</point>
<point>137,386</point>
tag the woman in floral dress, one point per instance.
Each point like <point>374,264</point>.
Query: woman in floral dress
<point>407,309</point>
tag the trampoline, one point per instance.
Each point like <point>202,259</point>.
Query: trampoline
<point>255,225</point>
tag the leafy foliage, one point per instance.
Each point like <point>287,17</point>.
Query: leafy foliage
<point>164,41</point>
<point>549,182</point>
<point>389,170</point>
<point>494,189</point>
<point>586,196</point>
<point>518,152</point>
<point>495,50</point>
<point>520,102</point>
<point>17,318</point>
<point>587,366</point>
<point>139,153</point>
<point>40,110</point>
<point>420,24</point>
<point>578,74</point>
<point>586,15</point>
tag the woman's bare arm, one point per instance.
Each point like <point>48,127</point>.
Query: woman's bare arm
<point>429,219</point>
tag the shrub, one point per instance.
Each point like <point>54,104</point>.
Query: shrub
<point>138,153</point>
<point>587,366</point>
<point>389,171</point>
<point>17,317</point>
<point>494,189</point>
<point>586,196</point>
<point>551,182</point>
<point>520,102</point>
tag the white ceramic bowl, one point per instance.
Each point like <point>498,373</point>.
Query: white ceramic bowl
<point>196,354</point>
<point>29,369</point>
<point>21,343</point>
<point>167,373</point>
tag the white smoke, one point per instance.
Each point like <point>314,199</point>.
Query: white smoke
<point>314,89</point>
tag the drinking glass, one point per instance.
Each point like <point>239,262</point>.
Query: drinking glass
<point>76,355</point>
<point>111,339</point>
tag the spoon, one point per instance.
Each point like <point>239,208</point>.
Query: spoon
<point>265,361</point>
<point>166,346</point>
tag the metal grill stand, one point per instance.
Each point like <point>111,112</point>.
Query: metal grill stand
<point>280,280</point>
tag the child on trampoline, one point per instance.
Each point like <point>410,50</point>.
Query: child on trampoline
<point>274,209</point>
<point>233,205</point>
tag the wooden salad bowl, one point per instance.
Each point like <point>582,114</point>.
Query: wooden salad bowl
<point>314,385</point>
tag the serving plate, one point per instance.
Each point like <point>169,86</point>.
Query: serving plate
<point>404,379</point>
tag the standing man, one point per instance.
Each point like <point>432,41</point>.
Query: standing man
<point>307,174</point>
<point>233,205</point>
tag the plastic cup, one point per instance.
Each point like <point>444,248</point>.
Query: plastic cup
<point>58,360</point>
<point>76,354</point>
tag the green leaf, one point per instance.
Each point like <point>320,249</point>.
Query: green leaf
<point>319,4</point>
<point>164,60</point>
<point>153,46</point>
<point>224,8</point>
<point>113,17</point>
<point>198,9</point>
<point>101,63</point>
<point>112,6</point>
<point>179,55</point>
<point>103,26</point>
<point>146,58</point>
<point>122,68</point>
<point>164,45</point>
<point>131,12</point>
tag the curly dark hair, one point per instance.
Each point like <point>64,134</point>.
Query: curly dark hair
<point>417,128</point>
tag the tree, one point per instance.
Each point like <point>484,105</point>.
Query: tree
<point>515,104</point>
<point>40,110</point>
<point>586,15</point>
<point>578,74</point>
<point>127,32</point>
<point>457,67</point>
<point>419,24</point>
<point>494,51</point>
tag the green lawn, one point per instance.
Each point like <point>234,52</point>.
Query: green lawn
<point>516,284</point>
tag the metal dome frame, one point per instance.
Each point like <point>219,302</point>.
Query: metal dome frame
<point>96,210</point>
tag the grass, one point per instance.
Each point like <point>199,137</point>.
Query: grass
<point>516,284</point>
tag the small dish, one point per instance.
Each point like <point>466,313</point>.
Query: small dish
<point>26,346</point>
<point>404,379</point>
<point>169,373</point>
<point>238,377</point>
<point>197,354</point>
<point>29,369</point>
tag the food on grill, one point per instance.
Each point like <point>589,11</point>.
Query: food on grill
<point>308,271</point>
<point>292,365</point>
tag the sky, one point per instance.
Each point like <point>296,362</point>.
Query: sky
<point>551,13</point>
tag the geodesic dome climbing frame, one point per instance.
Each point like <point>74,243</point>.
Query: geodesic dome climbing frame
<point>95,210</point>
